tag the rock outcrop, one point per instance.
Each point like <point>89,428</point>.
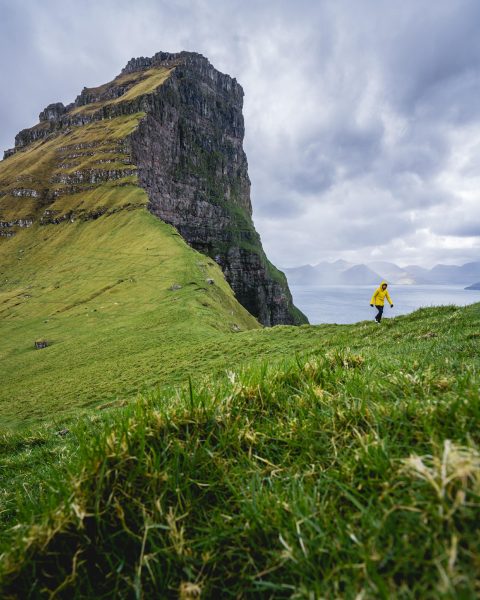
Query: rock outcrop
<point>190,159</point>
<point>52,113</point>
<point>185,150</point>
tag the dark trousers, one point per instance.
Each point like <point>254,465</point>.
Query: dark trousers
<point>378,316</point>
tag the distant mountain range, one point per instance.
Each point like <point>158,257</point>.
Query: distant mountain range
<point>342,272</point>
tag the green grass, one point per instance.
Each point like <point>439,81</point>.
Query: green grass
<point>164,445</point>
<point>111,196</point>
<point>350,469</point>
<point>139,83</point>
<point>100,293</point>
<point>35,166</point>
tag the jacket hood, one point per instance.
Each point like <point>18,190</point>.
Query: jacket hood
<point>383,283</point>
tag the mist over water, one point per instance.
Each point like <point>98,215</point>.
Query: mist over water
<point>350,304</point>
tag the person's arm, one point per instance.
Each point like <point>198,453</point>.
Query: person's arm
<point>388,298</point>
<point>372,301</point>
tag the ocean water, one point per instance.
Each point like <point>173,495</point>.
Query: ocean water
<point>349,304</point>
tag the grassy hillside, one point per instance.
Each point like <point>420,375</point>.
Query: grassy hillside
<point>344,462</point>
<point>44,176</point>
<point>135,84</point>
<point>102,293</point>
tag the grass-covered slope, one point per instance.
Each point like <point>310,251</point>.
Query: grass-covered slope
<point>132,85</point>
<point>77,164</point>
<point>349,469</point>
<point>62,175</point>
<point>100,293</point>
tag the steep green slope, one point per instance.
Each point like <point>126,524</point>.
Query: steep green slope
<point>350,469</point>
<point>100,292</point>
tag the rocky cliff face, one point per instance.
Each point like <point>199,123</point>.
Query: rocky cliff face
<point>190,158</point>
<point>185,151</point>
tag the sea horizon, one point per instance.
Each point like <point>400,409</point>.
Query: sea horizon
<point>346,304</point>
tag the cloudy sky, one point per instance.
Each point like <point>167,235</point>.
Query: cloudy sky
<point>362,116</point>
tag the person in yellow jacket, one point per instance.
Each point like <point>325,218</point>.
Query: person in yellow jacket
<point>378,300</point>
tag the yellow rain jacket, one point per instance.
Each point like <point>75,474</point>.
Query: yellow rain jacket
<point>379,296</point>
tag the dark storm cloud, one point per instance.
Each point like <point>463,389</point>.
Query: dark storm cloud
<point>362,118</point>
<point>420,48</point>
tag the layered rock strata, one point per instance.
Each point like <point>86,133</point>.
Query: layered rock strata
<point>190,158</point>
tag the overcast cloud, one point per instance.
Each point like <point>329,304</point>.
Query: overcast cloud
<point>362,116</point>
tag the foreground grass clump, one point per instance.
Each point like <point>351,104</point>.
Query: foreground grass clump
<point>336,476</point>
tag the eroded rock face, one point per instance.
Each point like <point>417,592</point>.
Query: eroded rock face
<point>27,222</point>
<point>190,158</point>
<point>92,176</point>
<point>53,112</point>
<point>188,154</point>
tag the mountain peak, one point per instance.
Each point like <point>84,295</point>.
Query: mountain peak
<point>163,59</point>
<point>165,135</point>
<point>326,273</point>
